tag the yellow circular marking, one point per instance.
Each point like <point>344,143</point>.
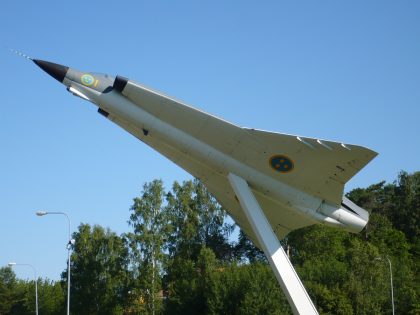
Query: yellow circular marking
<point>281,163</point>
<point>87,79</point>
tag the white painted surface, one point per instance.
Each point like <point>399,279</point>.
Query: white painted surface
<point>289,281</point>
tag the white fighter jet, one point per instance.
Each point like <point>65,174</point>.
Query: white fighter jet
<point>270,183</point>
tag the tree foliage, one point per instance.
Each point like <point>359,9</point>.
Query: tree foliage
<point>150,225</point>
<point>18,296</point>
<point>8,290</point>
<point>99,271</point>
<point>179,257</point>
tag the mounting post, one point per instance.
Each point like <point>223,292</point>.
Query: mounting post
<point>286,275</point>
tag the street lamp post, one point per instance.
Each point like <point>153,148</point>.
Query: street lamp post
<point>11,264</point>
<point>392,286</point>
<point>69,244</point>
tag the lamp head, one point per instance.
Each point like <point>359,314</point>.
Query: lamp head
<point>11,264</point>
<point>41,213</point>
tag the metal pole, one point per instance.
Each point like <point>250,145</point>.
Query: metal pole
<point>36,283</point>
<point>286,275</point>
<point>392,286</point>
<point>36,292</point>
<point>68,277</point>
<point>69,244</point>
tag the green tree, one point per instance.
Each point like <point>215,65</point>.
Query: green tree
<point>394,229</point>
<point>347,273</point>
<point>245,250</point>
<point>319,256</point>
<point>197,219</point>
<point>99,271</point>
<point>263,294</point>
<point>17,297</point>
<point>405,210</point>
<point>51,297</point>
<point>169,230</point>
<point>188,295</point>
<point>149,221</point>
<point>8,285</point>
<point>211,286</point>
<point>399,202</point>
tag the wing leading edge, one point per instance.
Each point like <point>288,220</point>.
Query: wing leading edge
<point>321,167</point>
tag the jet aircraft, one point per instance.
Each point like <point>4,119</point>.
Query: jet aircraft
<point>270,183</point>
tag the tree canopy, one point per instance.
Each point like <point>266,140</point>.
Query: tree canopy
<point>182,254</point>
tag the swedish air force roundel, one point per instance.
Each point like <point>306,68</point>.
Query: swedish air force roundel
<point>281,163</point>
<point>87,79</point>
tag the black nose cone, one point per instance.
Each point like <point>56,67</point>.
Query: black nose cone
<point>55,70</point>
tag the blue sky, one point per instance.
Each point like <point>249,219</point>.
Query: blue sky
<point>345,71</point>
